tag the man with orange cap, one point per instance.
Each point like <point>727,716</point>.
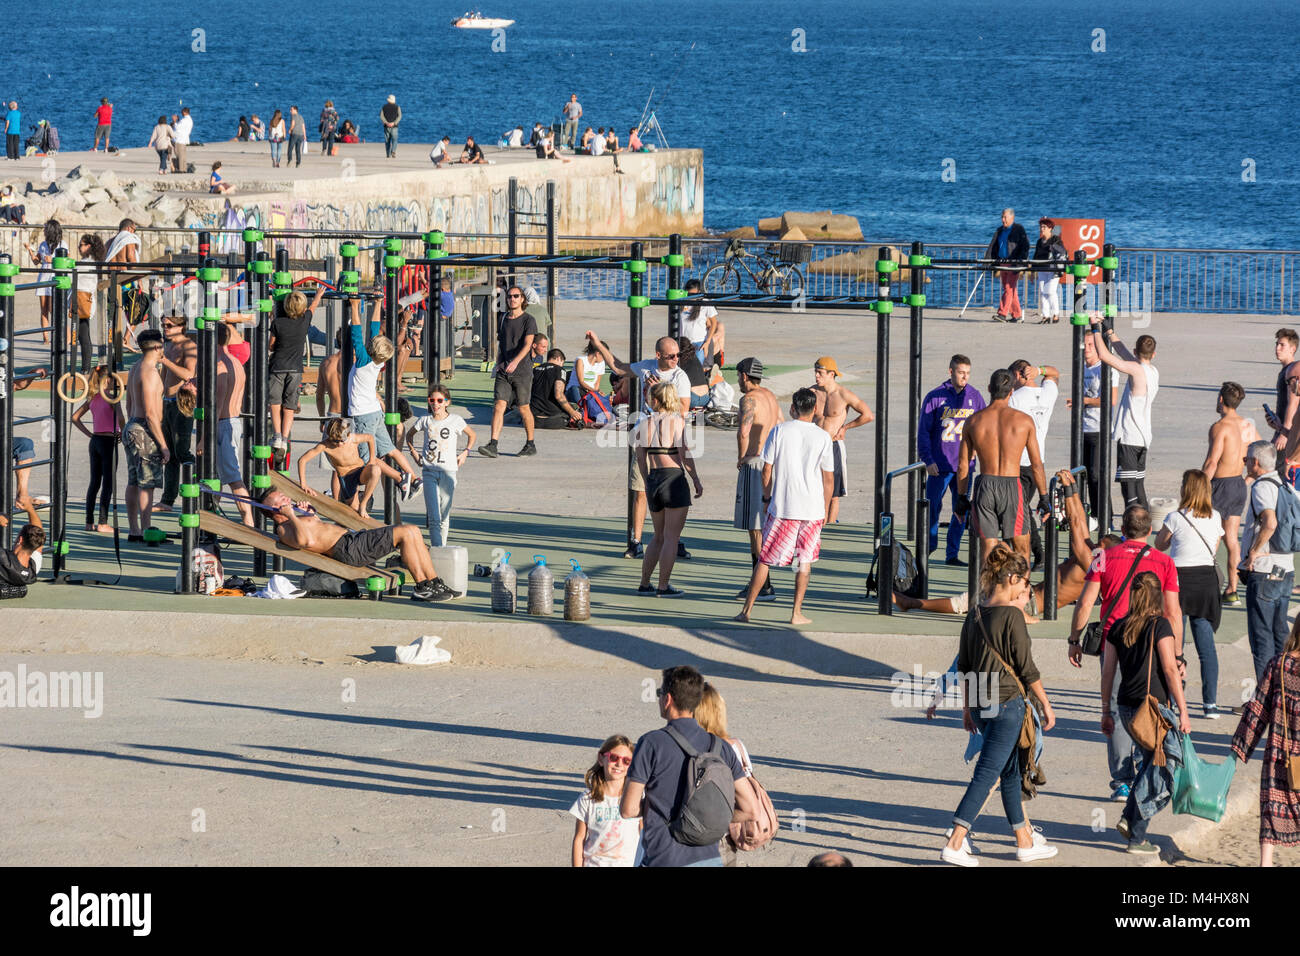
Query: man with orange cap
<point>832,415</point>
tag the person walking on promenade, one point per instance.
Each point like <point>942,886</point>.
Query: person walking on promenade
<point>1009,244</point>
<point>995,646</point>
<point>1092,374</point>
<point>711,715</point>
<point>161,141</point>
<point>103,124</point>
<point>1269,574</point>
<point>275,136</point>
<point>665,463</point>
<point>1051,249</point>
<point>1227,486</point>
<point>184,129</point>
<point>799,478</point>
<point>390,114</point>
<point>1191,536</point>
<point>832,415</point>
<point>329,125</point>
<point>1273,711</point>
<point>1135,642</point>
<point>938,440</point>
<point>1132,426</point>
<point>297,135</point>
<point>1282,416</point>
<point>572,111</point>
<point>759,411</point>
<point>13,131</point>
<point>601,837</point>
<point>107,422</point>
<point>433,441</point>
<point>657,788</point>
<point>513,376</point>
<point>995,438</point>
<point>1109,579</point>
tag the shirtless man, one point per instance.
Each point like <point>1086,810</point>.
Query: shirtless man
<point>759,411</point>
<point>831,415</point>
<point>231,380</point>
<point>1227,486</point>
<point>1070,573</point>
<point>146,447</point>
<point>342,447</point>
<point>358,548</point>
<point>997,436</point>
<point>180,363</point>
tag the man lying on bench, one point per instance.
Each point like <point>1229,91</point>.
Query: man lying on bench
<point>357,548</point>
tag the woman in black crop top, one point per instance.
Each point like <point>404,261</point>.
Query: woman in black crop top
<point>665,461</point>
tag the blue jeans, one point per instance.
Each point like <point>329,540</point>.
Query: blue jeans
<point>1203,635</point>
<point>277,147</point>
<point>372,423</point>
<point>390,140</point>
<point>1136,822</point>
<point>699,401</point>
<point>999,758</point>
<point>1121,754</point>
<point>935,486</point>
<point>439,489</point>
<point>1266,627</point>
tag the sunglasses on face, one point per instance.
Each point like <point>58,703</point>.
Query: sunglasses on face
<point>671,355</point>
<point>615,760</point>
<point>437,401</point>
<point>514,295</point>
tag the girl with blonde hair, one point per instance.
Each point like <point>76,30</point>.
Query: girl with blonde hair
<point>665,463</point>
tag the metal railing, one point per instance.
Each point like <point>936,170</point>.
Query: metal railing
<point>1243,281</point>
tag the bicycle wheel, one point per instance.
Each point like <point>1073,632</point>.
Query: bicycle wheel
<point>722,279</point>
<point>791,280</point>
<point>722,419</point>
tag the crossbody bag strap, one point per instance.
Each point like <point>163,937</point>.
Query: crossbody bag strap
<point>979,618</point>
<point>1151,659</point>
<point>1281,681</point>
<point>1124,587</point>
<point>1214,555</point>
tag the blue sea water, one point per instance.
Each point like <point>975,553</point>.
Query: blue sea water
<point>1154,134</point>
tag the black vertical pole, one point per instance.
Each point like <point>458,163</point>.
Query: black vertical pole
<point>255,383</point>
<point>1105,468</point>
<point>349,279</point>
<point>636,301</point>
<point>1051,546</point>
<point>675,261</point>
<point>916,315</point>
<point>260,273</point>
<point>920,540</point>
<point>885,561</point>
<point>8,272</point>
<point>512,226</point>
<point>208,415</point>
<point>190,527</point>
<point>1079,329</point>
<point>331,305</point>
<point>433,242</point>
<point>550,254</point>
<point>884,307</point>
<point>63,267</point>
<point>393,263</point>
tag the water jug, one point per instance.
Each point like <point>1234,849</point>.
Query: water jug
<point>452,565</point>
<point>541,587</point>
<point>503,587</point>
<point>577,595</point>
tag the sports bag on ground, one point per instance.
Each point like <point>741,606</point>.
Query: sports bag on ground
<point>322,584</point>
<point>907,578</point>
<point>708,797</point>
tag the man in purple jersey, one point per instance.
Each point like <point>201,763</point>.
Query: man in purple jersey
<point>938,440</point>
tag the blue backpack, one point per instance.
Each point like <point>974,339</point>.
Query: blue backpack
<point>1286,538</point>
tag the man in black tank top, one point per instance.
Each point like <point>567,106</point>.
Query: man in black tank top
<point>1286,343</point>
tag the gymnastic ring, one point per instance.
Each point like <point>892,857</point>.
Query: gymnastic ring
<point>120,379</point>
<point>60,389</point>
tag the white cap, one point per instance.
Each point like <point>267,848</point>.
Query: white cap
<point>280,587</point>
<point>391,98</point>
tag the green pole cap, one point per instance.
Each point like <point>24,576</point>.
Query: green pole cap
<point>392,245</point>
<point>254,235</point>
<point>884,306</point>
<point>1079,318</point>
<point>208,274</point>
<point>265,305</point>
<point>282,278</point>
<point>6,290</point>
<point>1079,269</point>
<point>374,583</point>
<point>1109,311</point>
<point>211,314</point>
<point>918,261</point>
<point>189,491</point>
<point>63,262</point>
<point>916,299</point>
<point>263,267</point>
<point>8,269</point>
<point>189,521</point>
<point>199,413</point>
<point>638,302</point>
<point>436,254</point>
<point>392,418</point>
<point>1108,262</point>
<point>261,451</point>
<point>394,262</point>
<point>886,265</point>
<point>676,294</point>
<point>260,481</point>
<point>63,282</point>
<point>214,484</point>
<point>63,546</point>
<point>348,250</point>
<point>350,276</point>
<point>675,259</point>
<point>434,237</point>
<point>635,265</point>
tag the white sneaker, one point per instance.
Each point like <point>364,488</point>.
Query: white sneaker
<point>958,857</point>
<point>966,845</point>
<point>1039,851</point>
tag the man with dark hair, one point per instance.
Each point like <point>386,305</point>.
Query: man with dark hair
<point>1227,486</point>
<point>146,446</point>
<point>1106,580</point>
<point>996,437</point>
<point>1132,425</point>
<point>180,360</point>
<point>798,481</point>
<point>22,565</point>
<point>656,781</point>
<point>1038,401</point>
<point>1009,244</point>
<point>1283,415</point>
<point>938,439</point>
<point>550,407</point>
<point>513,375</point>
<point>759,411</point>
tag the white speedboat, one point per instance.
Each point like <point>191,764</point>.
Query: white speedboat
<point>476,21</point>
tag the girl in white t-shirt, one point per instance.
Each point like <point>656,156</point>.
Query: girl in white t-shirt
<point>601,837</point>
<point>434,440</point>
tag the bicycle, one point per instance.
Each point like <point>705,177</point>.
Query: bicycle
<point>777,271</point>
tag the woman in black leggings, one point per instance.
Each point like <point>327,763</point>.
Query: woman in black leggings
<point>107,423</point>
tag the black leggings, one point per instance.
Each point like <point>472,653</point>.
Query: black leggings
<point>102,448</point>
<point>87,347</point>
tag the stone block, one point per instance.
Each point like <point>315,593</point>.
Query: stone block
<point>823,225</point>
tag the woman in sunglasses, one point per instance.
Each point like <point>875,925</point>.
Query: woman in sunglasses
<point>601,836</point>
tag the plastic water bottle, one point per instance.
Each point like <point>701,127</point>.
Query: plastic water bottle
<point>503,587</point>
<point>577,595</point>
<point>541,587</point>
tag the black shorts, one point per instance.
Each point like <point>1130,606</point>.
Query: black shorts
<point>840,488</point>
<point>1228,496</point>
<point>667,488</point>
<point>348,486</point>
<point>1131,463</point>
<point>519,385</point>
<point>360,548</point>
<point>999,509</point>
<point>283,389</point>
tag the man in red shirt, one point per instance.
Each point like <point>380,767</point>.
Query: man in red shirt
<point>103,123</point>
<point>1106,578</point>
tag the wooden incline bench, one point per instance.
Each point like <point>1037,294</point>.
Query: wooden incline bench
<point>242,534</point>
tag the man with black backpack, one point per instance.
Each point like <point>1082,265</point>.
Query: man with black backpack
<point>685,782</point>
<point>1267,560</point>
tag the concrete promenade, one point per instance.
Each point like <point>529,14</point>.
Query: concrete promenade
<point>255,721</point>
